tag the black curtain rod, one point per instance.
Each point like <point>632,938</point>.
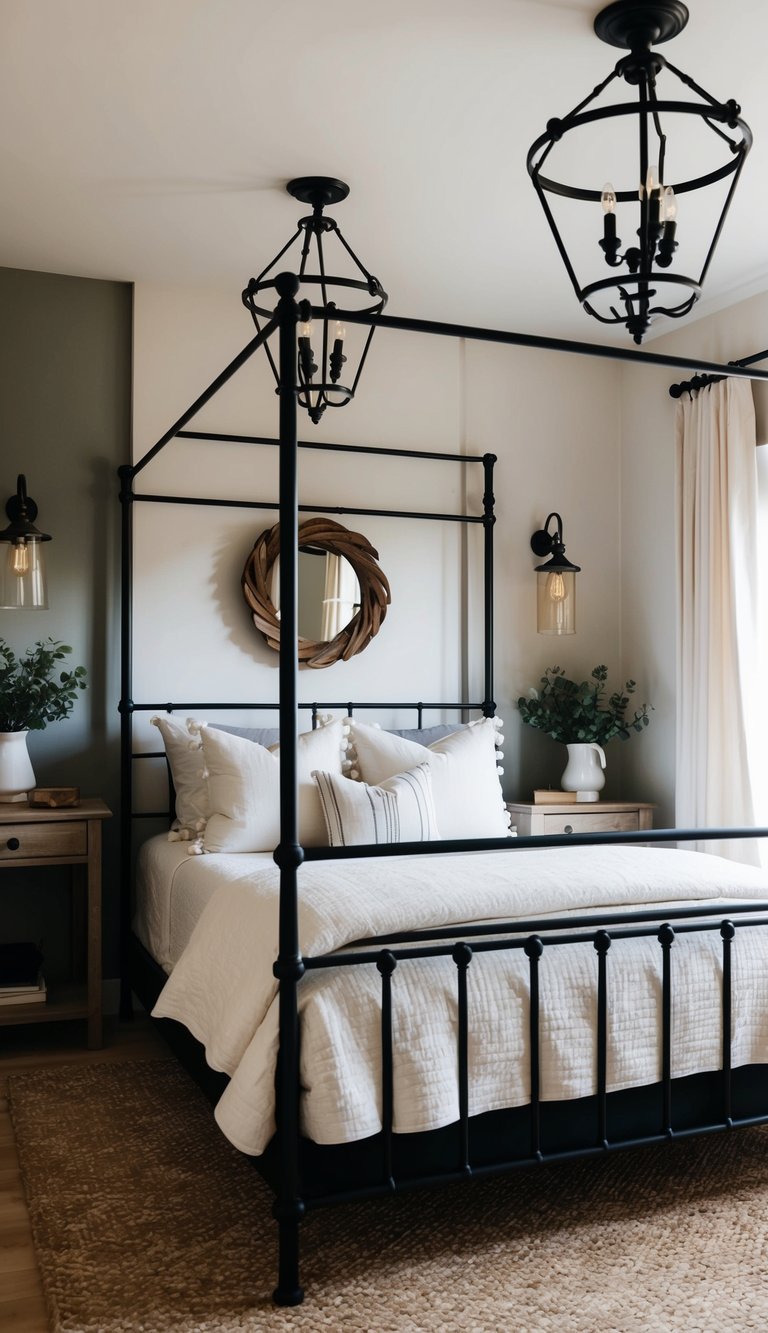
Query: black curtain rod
<point>703,381</point>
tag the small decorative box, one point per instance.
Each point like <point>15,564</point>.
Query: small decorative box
<point>54,798</point>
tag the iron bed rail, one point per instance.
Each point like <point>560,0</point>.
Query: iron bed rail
<point>560,933</point>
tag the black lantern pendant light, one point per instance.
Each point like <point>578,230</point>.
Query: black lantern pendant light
<point>555,581</point>
<point>708,142</point>
<point>22,570</point>
<point>325,372</point>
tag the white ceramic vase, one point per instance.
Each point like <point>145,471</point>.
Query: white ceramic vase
<point>584,772</point>
<point>17,777</point>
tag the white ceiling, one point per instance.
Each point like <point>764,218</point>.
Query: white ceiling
<point>151,140</point>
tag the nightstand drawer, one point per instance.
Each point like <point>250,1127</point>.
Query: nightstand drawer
<point>22,841</point>
<point>619,821</point>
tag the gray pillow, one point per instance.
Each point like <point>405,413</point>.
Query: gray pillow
<point>428,735</point>
<point>265,736</point>
<point>421,735</point>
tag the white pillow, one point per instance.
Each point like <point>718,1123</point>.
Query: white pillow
<point>185,760</point>
<point>465,781</point>
<point>398,810</point>
<point>244,789</point>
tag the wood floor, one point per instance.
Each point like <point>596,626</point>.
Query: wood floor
<point>22,1308</point>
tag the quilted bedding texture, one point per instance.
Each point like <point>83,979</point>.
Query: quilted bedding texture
<point>222,988</point>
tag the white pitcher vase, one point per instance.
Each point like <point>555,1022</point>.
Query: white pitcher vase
<point>584,772</point>
<point>17,777</point>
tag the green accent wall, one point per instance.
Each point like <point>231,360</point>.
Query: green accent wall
<point>65,422</point>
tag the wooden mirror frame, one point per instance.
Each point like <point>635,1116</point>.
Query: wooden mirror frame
<point>332,537</point>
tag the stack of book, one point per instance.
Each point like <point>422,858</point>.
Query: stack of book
<point>21,981</point>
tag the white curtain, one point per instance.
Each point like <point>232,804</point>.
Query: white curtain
<point>342,594</point>
<point>717,608</point>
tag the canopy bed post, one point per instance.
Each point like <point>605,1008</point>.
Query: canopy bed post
<point>489,518</point>
<point>288,1208</point>
<point>125,474</point>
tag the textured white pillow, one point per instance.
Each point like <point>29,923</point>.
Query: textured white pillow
<point>244,789</point>
<point>398,810</point>
<point>465,781</point>
<point>185,759</point>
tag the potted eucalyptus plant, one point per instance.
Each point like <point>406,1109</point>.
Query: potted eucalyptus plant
<point>33,692</point>
<point>579,714</point>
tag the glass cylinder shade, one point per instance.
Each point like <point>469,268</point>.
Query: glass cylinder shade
<point>22,576</point>
<point>556,601</point>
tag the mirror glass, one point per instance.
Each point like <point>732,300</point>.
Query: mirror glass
<point>329,593</point>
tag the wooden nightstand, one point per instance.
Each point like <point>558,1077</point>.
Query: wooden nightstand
<point>70,837</point>
<point>584,817</point>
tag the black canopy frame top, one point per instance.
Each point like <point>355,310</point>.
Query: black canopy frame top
<point>288,1160</point>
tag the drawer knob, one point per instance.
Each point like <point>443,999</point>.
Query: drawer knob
<point>568,828</point>
<point>13,844</point>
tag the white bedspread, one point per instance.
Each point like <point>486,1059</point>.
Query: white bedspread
<point>223,989</point>
<point>172,888</point>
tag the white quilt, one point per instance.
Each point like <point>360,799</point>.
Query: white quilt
<point>224,992</point>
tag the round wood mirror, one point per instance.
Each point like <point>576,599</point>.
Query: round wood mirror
<point>356,597</point>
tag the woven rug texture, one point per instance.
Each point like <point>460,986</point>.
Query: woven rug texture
<point>147,1221</point>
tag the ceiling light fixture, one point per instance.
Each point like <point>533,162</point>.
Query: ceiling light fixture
<point>653,174</point>
<point>322,353</point>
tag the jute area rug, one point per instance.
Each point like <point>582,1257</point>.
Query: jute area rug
<point>147,1221</point>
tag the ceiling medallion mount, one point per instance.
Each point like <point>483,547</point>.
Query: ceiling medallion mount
<point>323,349</point>
<point>633,24</point>
<point>657,271</point>
<point>319,191</point>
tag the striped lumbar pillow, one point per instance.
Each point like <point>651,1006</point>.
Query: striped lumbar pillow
<point>401,809</point>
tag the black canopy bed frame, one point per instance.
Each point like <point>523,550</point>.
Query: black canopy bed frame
<point>303,1174</point>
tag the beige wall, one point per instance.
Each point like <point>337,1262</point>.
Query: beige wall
<point>553,421</point>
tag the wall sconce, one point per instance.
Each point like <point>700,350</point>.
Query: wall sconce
<point>22,569</point>
<point>555,581</point>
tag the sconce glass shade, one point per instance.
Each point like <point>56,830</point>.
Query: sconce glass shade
<point>555,581</point>
<point>556,601</point>
<point>22,577</point>
<point>22,568</point>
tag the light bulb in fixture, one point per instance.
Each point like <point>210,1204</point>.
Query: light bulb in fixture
<point>337,358</point>
<point>307,364</point>
<point>668,205</point>
<point>556,588</point>
<point>608,198</point>
<point>667,242</point>
<point>18,558</point>
<point>609,245</point>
